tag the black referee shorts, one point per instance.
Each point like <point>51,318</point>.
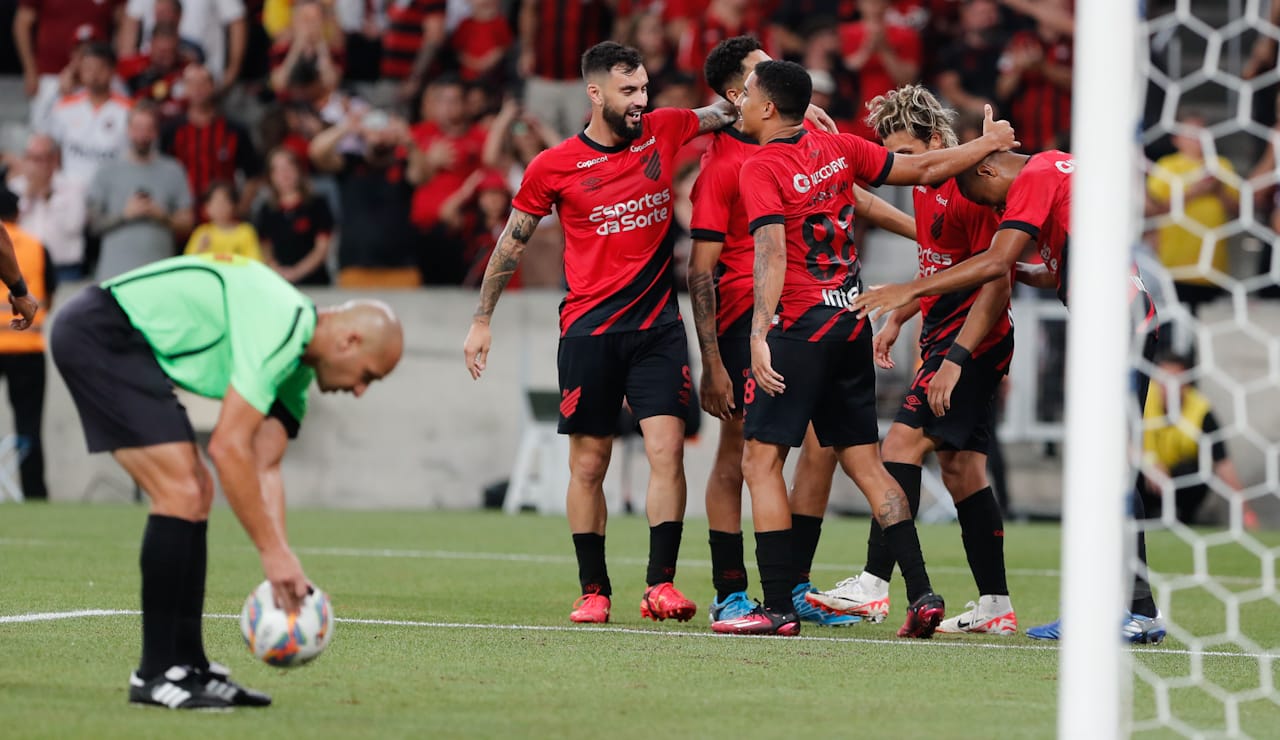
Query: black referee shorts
<point>123,397</point>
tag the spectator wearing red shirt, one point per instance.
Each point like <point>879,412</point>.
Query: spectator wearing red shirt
<point>45,32</point>
<point>884,55</point>
<point>482,40</point>
<point>723,19</point>
<point>1035,76</point>
<point>157,74</point>
<point>451,146</point>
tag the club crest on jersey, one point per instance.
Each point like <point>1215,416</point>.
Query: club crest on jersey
<point>935,228</point>
<point>804,183</point>
<point>653,166</point>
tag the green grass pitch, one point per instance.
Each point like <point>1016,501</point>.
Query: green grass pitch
<point>480,644</point>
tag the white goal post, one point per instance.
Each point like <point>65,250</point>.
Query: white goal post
<point>1094,679</point>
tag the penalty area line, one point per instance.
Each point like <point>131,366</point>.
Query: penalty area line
<point>944,643</point>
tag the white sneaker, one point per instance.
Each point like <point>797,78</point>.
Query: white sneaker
<point>864,595</point>
<point>992,615</point>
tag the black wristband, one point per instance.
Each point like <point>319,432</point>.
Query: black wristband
<point>958,354</point>
<point>19,289</point>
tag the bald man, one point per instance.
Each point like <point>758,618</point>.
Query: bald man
<point>220,327</point>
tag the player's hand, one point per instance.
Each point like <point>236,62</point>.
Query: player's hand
<point>762,370</point>
<point>819,118</point>
<point>476,348</point>
<point>881,299</point>
<point>1001,132</point>
<point>941,386</point>
<point>24,311</point>
<point>883,343</point>
<point>716,390</point>
<point>289,584</point>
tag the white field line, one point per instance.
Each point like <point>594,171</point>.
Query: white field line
<point>77,614</point>
<point>516,557</point>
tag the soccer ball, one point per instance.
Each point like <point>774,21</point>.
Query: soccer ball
<point>282,639</point>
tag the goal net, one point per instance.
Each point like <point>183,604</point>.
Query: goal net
<point>1194,201</point>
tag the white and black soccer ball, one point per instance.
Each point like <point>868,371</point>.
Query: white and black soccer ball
<point>282,639</point>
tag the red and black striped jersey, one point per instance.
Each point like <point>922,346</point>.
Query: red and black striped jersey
<point>806,182</point>
<point>616,205</point>
<point>719,215</point>
<point>950,229</point>
<point>565,30</point>
<point>403,37</point>
<point>1039,204</point>
<point>1041,110</point>
<point>211,153</point>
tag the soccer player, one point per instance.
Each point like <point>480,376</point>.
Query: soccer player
<point>720,286</point>
<point>1033,195</point>
<point>222,327</point>
<point>24,305</point>
<point>620,329</point>
<point>811,358</point>
<point>966,344</point>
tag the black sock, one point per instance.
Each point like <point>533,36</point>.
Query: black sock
<point>904,543</point>
<point>728,571</point>
<point>664,550</point>
<point>805,532</point>
<point>593,574</point>
<point>190,636</point>
<point>777,570</point>
<point>1142,603</point>
<point>165,557</point>
<point>982,529</point>
<point>879,558</point>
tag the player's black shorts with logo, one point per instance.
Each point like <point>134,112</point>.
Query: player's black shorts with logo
<point>123,397</point>
<point>650,368</point>
<point>831,384</point>
<point>970,422</point>
<point>735,352</point>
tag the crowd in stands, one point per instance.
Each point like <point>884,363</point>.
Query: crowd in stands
<point>378,142</point>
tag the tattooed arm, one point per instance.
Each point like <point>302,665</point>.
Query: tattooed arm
<point>502,265</point>
<point>716,116</point>
<point>717,388</point>
<point>770,270</point>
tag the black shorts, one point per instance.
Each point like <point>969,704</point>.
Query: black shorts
<point>735,352</point>
<point>649,368</point>
<point>970,422</point>
<point>123,397</point>
<point>831,384</point>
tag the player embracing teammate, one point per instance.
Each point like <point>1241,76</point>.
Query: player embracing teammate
<point>966,345</point>
<point>811,356</point>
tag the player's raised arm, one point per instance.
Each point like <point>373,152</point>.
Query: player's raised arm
<point>232,449</point>
<point>996,262</point>
<point>770,269</point>
<point>879,212</point>
<point>24,306</point>
<point>940,164</point>
<point>502,265</point>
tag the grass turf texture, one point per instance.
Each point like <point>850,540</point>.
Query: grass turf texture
<point>67,678</point>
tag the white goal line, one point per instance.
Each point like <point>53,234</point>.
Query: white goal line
<point>902,642</point>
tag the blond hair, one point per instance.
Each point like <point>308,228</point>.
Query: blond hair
<point>912,108</point>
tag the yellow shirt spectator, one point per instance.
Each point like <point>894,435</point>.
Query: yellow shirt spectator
<point>240,239</point>
<point>1178,245</point>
